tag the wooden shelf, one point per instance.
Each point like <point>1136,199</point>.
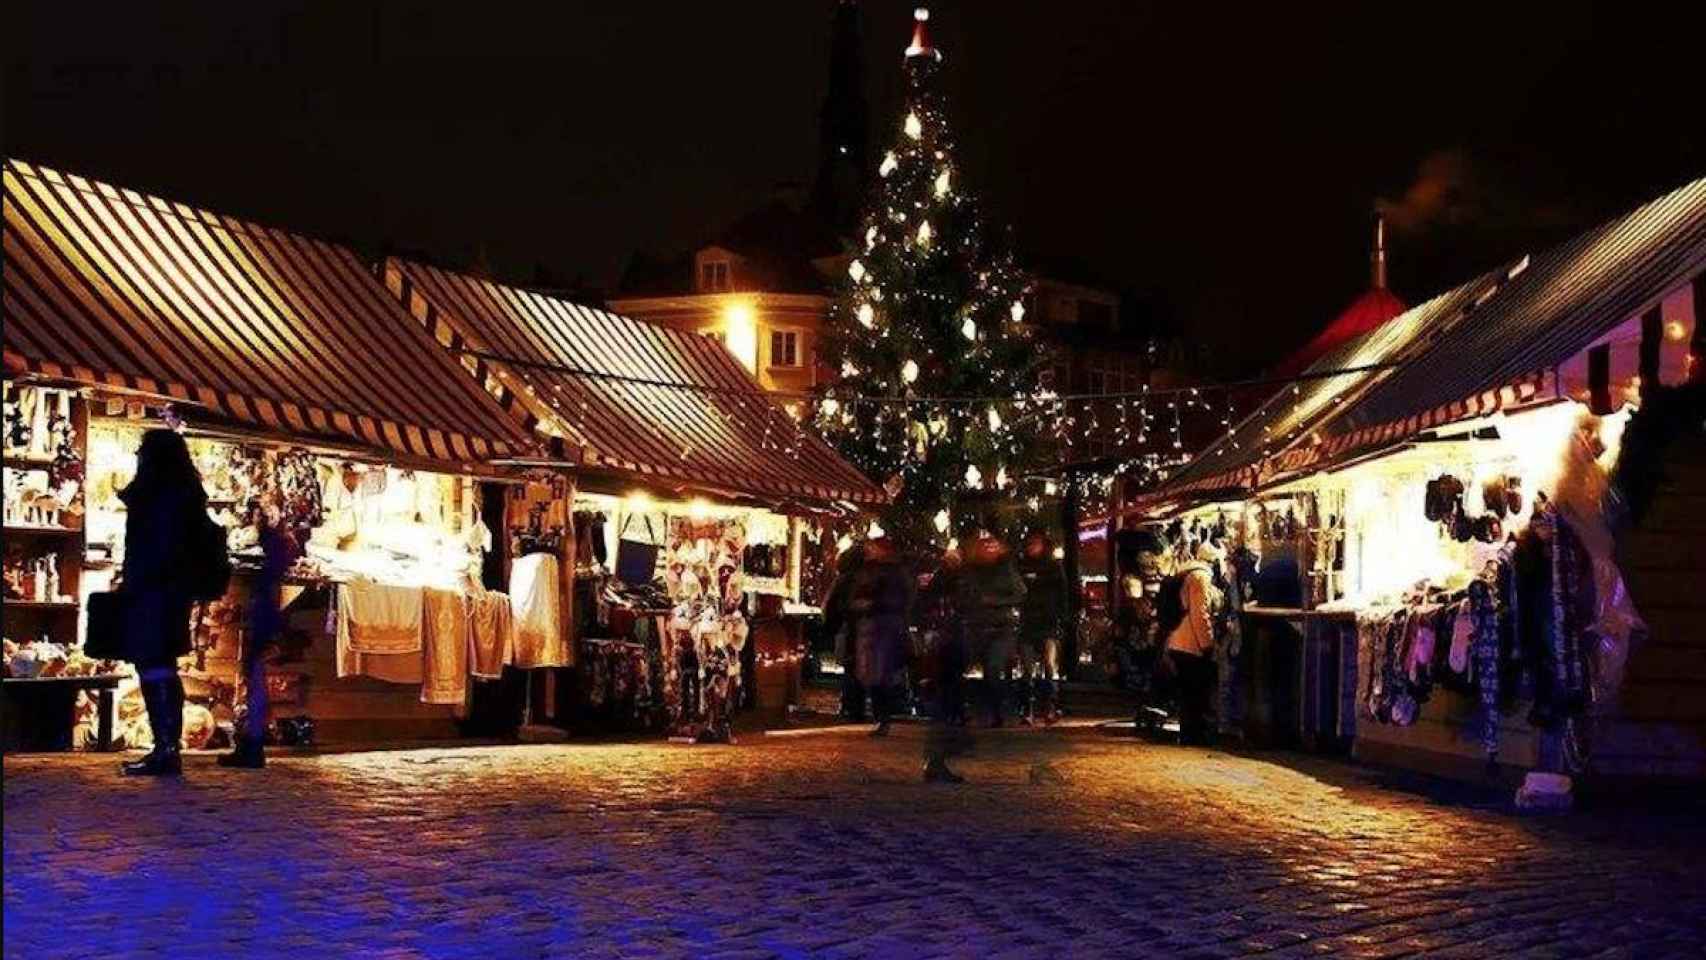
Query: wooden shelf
<point>26,531</point>
<point>18,461</point>
<point>42,605</point>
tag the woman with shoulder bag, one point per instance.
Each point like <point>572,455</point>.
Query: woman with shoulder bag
<point>164,503</point>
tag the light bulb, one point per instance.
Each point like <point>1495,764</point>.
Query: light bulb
<point>1018,312</point>
<point>942,184</point>
<point>875,531</point>
<point>909,371</point>
<point>974,476</point>
<point>914,128</point>
<point>848,369</point>
<point>1001,477</point>
<point>942,520</point>
<point>844,544</point>
<point>994,419</point>
<point>924,233</point>
<point>870,238</point>
<point>888,164</point>
<point>856,270</point>
<point>867,315</point>
<point>1049,487</point>
<point>831,406</point>
<point>969,329</point>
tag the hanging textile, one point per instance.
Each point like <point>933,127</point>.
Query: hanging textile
<point>444,648</point>
<point>541,639</point>
<point>378,627</point>
<point>491,628</point>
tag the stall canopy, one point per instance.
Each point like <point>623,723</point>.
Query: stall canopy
<point>640,400</point>
<point>115,288</point>
<point>1468,352</point>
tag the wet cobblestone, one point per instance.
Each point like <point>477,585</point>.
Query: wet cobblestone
<point>821,846</point>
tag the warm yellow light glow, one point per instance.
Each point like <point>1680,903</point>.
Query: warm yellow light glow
<point>867,316</point>
<point>1675,330</point>
<point>844,544</point>
<point>909,371</point>
<point>994,419</point>
<point>1001,477</point>
<point>856,270</point>
<point>831,406</point>
<point>740,333</point>
<point>1060,553</point>
<point>942,520</point>
<point>942,184</point>
<point>969,329</point>
<point>1049,487</point>
<point>699,508</point>
<point>974,476</point>
<point>914,127</point>
<point>888,164</point>
<point>1018,312</point>
<point>870,237</point>
<point>875,531</point>
<point>639,501</point>
<point>924,233</point>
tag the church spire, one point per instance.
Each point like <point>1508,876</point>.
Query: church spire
<point>920,46</point>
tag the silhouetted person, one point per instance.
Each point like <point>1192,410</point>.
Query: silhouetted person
<point>1042,626</point>
<point>838,624</point>
<point>938,612</point>
<point>880,601</point>
<point>265,625</point>
<point>991,596</point>
<point>162,503</point>
<point>1190,644</point>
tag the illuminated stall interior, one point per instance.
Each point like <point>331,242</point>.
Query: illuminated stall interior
<point>302,388</point>
<point>1474,428</point>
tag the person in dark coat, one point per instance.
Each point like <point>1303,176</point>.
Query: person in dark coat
<point>265,625</point>
<point>161,503</point>
<point>838,626</point>
<point>991,595</point>
<point>1042,627</point>
<point>938,613</point>
<point>881,602</point>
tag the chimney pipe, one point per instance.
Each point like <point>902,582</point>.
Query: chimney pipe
<point>1377,259</point>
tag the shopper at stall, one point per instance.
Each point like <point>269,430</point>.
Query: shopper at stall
<point>880,603</point>
<point>1042,624</point>
<point>265,624</point>
<point>992,593</point>
<point>938,614</point>
<point>838,626</point>
<point>1191,639</point>
<point>163,503</point>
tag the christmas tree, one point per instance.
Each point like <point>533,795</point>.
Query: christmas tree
<point>927,323</point>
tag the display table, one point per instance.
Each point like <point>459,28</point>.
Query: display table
<point>40,712</point>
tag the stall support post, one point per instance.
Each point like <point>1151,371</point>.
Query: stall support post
<point>1069,533</point>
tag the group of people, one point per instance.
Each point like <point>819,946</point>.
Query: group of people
<point>980,605</point>
<point>164,503</point>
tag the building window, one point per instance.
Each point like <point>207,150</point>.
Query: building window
<point>784,348</point>
<point>714,276</point>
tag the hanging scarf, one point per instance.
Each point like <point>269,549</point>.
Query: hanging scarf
<point>1484,654</point>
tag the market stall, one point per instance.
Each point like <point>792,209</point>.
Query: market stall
<point>1439,567</point>
<point>303,390</point>
<point>699,506</point>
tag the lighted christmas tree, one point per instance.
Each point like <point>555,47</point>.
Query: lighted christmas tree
<point>930,313</point>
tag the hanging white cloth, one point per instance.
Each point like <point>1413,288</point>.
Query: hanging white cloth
<point>535,591</point>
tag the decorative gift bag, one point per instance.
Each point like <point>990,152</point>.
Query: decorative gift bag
<point>636,560</point>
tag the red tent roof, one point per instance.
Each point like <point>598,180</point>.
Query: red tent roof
<point>1371,310</point>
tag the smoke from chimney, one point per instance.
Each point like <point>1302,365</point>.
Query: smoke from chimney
<point>1440,194</point>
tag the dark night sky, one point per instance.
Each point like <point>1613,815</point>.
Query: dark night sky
<point>1218,159</point>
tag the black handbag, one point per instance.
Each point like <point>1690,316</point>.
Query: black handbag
<point>636,560</point>
<point>105,637</point>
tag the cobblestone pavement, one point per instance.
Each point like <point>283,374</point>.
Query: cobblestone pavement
<point>1064,845</point>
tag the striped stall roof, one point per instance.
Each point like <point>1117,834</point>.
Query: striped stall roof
<point>639,399</point>
<point>111,287</point>
<point>1484,346</point>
